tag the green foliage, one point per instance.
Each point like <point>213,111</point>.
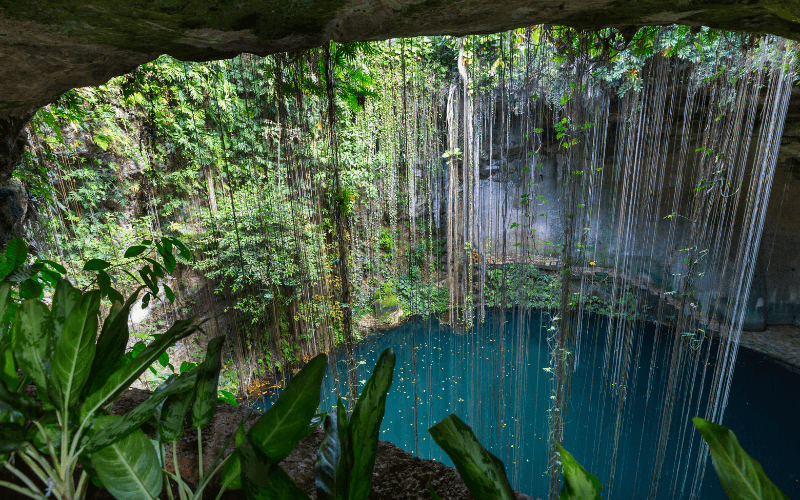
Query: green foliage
<point>274,435</point>
<point>578,484</point>
<point>59,355</point>
<point>347,455</point>
<point>741,476</point>
<point>483,473</point>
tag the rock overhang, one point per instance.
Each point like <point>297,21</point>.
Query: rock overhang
<point>50,46</point>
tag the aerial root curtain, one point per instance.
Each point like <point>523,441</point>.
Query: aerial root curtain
<point>585,173</point>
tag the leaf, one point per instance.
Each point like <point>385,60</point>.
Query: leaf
<point>742,477</point>
<point>74,352</point>
<point>282,427</point>
<point>134,251</point>
<point>8,368</point>
<point>129,468</point>
<point>12,437</point>
<point>205,400</point>
<point>227,398</point>
<point>5,308</point>
<point>96,265</point>
<point>111,343</point>
<point>184,251</point>
<point>330,475</point>
<point>170,422</point>
<point>365,425</point>
<point>24,272</point>
<point>578,484</point>
<point>31,333</point>
<point>231,473</point>
<point>18,402</point>
<point>176,385</point>
<point>65,296</point>
<point>264,479</point>
<point>483,473</point>
<point>123,377</point>
<point>30,289</point>
<point>55,266</point>
<point>434,496</point>
<point>169,293</point>
<point>15,255</point>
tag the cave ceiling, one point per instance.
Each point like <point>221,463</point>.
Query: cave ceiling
<point>49,46</point>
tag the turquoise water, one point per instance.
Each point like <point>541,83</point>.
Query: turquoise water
<point>447,372</point>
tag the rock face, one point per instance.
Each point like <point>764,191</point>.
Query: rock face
<point>50,46</point>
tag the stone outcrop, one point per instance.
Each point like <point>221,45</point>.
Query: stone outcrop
<point>48,46</point>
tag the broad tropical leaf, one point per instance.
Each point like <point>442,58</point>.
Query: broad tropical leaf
<point>5,309</point>
<point>578,484</point>
<point>74,352</point>
<point>434,496</point>
<point>130,468</point>
<point>65,296</point>
<point>231,473</point>
<point>12,437</point>
<point>483,473</point>
<point>135,418</point>
<point>263,479</point>
<point>284,425</point>
<point>111,344</point>
<point>24,272</point>
<point>205,394</point>
<point>121,379</point>
<point>15,255</point>
<point>31,335</point>
<point>8,368</point>
<point>330,477</point>
<point>742,477</point>
<point>365,425</point>
<point>170,421</point>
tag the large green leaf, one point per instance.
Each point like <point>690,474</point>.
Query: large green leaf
<point>18,402</point>
<point>365,425</point>
<point>12,437</point>
<point>111,344</point>
<point>129,468</point>
<point>135,418</point>
<point>742,477</point>
<point>282,427</point>
<point>8,368</point>
<point>231,474</point>
<point>173,412</point>
<point>5,307</point>
<point>483,473</point>
<point>15,255</point>
<point>74,352</point>
<point>578,484</point>
<point>31,334</point>
<point>123,377</point>
<point>205,394</point>
<point>331,474</point>
<point>263,479</point>
<point>65,296</point>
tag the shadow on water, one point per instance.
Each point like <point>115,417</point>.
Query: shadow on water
<point>440,371</point>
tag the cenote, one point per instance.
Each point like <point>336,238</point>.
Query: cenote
<point>562,234</point>
<point>441,371</point>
